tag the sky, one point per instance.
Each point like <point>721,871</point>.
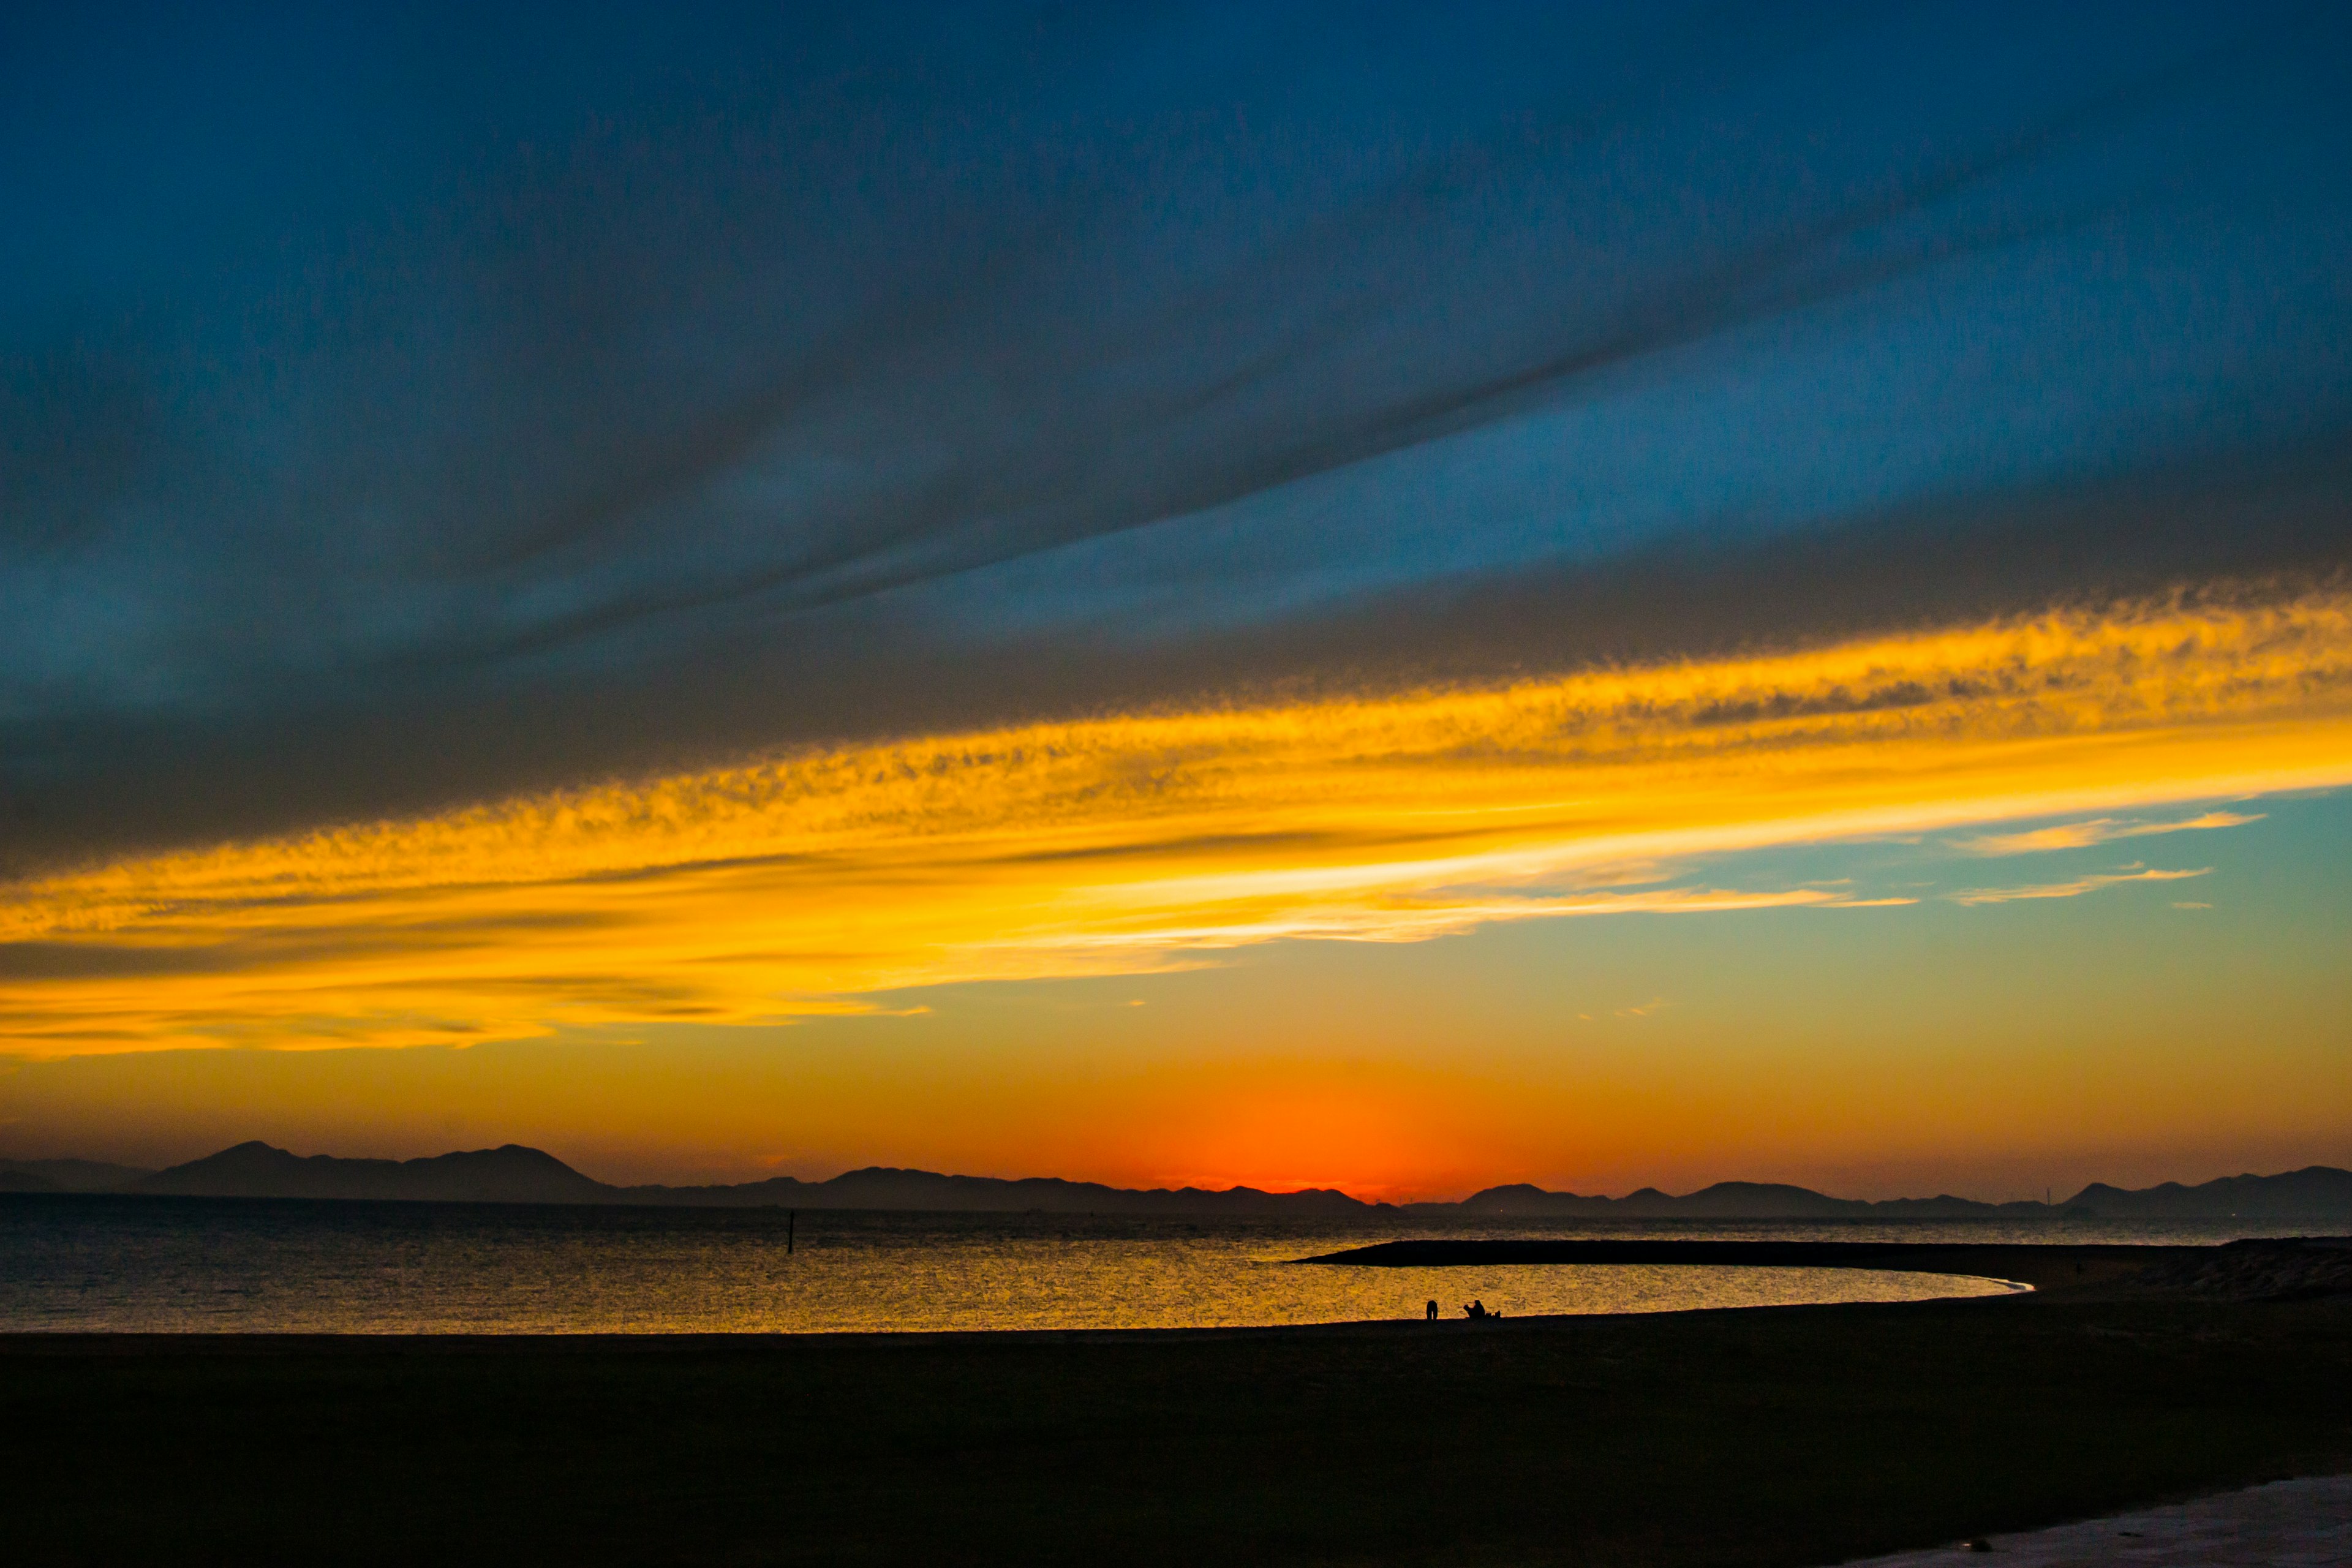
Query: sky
<point>1398,598</point>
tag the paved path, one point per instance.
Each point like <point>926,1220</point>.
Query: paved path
<point>2287,1524</point>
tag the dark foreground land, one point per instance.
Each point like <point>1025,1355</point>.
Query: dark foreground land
<point>1788,1435</point>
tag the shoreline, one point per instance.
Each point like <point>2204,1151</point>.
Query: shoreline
<point>2043,1267</point>
<point>2088,1271</point>
<point>1823,1432</point>
<point>2251,1270</point>
<point>265,1341</point>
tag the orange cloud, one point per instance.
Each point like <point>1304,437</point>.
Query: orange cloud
<point>2098,830</point>
<point>2072,890</point>
<point>807,883</point>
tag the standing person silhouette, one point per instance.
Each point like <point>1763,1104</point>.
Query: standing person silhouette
<point>1432,1310</point>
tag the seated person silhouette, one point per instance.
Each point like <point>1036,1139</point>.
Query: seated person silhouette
<point>1474,1310</point>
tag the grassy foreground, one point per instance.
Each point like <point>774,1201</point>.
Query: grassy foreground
<point>1788,1435</point>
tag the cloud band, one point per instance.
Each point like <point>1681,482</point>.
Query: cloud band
<point>808,883</point>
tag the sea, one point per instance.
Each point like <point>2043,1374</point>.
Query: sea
<point>121,1264</point>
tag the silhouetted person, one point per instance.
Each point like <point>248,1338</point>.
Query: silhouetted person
<point>1432,1309</point>
<point>1475,1310</point>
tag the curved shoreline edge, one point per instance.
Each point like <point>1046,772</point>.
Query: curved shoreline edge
<point>2038,1266</point>
<point>2088,1273</point>
<point>1818,1434</point>
<point>2282,1268</point>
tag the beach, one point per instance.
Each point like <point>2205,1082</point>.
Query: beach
<point>1791,1436</point>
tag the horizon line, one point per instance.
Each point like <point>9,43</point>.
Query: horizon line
<point>2051,1202</point>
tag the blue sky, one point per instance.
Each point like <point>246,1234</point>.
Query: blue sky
<point>409,378</point>
<point>423,434</point>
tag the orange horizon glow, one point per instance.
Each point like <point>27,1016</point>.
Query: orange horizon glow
<point>809,884</point>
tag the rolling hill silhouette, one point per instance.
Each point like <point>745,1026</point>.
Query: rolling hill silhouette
<point>513,1173</point>
<point>2313,1190</point>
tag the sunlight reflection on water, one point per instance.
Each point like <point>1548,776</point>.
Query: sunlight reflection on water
<point>162,1266</point>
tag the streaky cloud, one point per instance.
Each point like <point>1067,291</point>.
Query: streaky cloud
<point>386,426</point>
<point>2097,830</point>
<point>820,880</point>
<point>2072,890</point>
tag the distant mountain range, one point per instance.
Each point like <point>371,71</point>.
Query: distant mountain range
<point>2317,1192</point>
<point>519,1175</point>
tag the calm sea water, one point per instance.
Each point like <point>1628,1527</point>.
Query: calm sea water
<point>225,1265</point>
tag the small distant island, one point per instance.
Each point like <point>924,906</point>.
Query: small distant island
<point>515,1175</point>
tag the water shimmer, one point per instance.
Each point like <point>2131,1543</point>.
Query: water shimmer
<point>182,1265</point>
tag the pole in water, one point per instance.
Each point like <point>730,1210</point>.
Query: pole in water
<point>792,1218</point>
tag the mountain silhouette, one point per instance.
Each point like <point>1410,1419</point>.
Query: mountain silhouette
<point>511,1174</point>
<point>1741,1200</point>
<point>2313,1190</point>
<point>887,1187</point>
<point>516,1174</point>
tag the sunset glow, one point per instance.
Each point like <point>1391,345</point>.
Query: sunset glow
<point>803,884</point>
<point>1399,599</point>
